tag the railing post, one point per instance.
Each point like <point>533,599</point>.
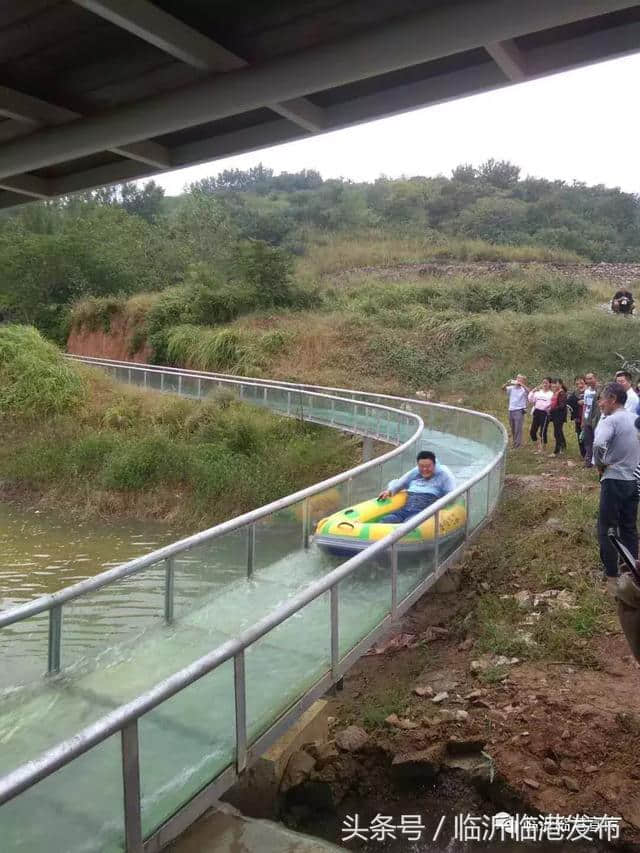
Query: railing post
<point>241,391</point>
<point>169,583</point>
<point>467,506</point>
<point>264,393</point>
<point>288,402</point>
<point>305,524</point>
<point>333,411</point>
<point>55,639</point>
<point>199,387</point>
<point>367,448</point>
<point>129,376</point>
<point>349,490</point>
<point>179,383</point>
<point>251,549</point>
<point>335,633</point>
<point>436,533</point>
<point>131,788</point>
<point>144,380</point>
<point>162,381</point>
<point>488,501</point>
<point>394,582</point>
<point>241,711</point>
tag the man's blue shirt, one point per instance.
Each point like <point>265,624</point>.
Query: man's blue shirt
<point>441,483</point>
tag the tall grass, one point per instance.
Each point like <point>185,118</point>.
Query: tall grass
<point>127,451</point>
<point>35,380</point>
<point>329,253</point>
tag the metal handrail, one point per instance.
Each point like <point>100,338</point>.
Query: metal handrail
<point>124,719</point>
<point>49,601</point>
<point>282,383</point>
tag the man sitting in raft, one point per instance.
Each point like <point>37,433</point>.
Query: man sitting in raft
<point>425,484</point>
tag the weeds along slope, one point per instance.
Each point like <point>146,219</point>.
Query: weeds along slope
<point>74,437</point>
<point>450,332</point>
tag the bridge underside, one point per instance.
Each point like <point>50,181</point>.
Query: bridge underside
<point>100,91</point>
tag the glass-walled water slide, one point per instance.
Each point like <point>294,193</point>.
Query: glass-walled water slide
<point>131,700</point>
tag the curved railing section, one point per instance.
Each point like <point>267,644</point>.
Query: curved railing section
<point>172,750</point>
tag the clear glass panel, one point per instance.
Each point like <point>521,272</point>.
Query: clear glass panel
<point>98,626</point>
<point>364,600</point>
<point>452,527</point>
<point>154,381</point>
<point>478,503</point>
<point>189,386</point>
<point>24,651</point>
<point>278,537</point>
<point>171,383</point>
<point>76,810</point>
<point>203,572</point>
<point>185,743</point>
<point>285,663</point>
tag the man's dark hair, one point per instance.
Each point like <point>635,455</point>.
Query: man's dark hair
<point>426,454</point>
<point>548,378</point>
<point>624,373</point>
<point>615,389</point>
<point>580,376</point>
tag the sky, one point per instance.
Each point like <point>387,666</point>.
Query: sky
<point>582,125</point>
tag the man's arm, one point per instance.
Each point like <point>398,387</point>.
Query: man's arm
<point>601,442</point>
<point>395,486</point>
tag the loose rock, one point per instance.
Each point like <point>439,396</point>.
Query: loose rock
<point>423,691</point>
<point>400,723</point>
<point>550,766</point>
<point>440,697</point>
<point>570,783</point>
<point>531,783</point>
<point>298,770</point>
<point>351,739</point>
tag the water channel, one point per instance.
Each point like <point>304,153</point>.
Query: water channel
<point>115,645</point>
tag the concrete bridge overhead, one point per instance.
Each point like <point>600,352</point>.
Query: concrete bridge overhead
<point>101,91</point>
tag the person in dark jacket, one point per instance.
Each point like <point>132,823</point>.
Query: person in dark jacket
<point>558,415</point>
<point>575,402</point>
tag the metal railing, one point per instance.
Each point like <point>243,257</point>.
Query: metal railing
<point>361,415</point>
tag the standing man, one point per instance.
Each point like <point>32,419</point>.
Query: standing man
<point>623,377</point>
<point>616,453</point>
<point>590,417</point>
<point>517,393</point>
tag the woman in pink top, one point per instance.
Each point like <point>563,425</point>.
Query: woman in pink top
<point>540,397</point>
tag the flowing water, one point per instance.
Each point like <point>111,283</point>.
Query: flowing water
<point>115,645</point>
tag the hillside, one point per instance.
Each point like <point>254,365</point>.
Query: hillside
<point>225,230</point>
<point>457,329</point>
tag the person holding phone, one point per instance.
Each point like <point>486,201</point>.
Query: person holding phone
<point>517,395</point>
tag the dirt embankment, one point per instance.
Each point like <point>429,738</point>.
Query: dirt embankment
<point>557,736</point>
<point>116,343</point>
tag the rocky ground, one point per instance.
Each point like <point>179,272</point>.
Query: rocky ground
<point>618,274</point>
<point>511,689</point>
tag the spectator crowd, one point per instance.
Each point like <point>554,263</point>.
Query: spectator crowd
<point>606,421</point>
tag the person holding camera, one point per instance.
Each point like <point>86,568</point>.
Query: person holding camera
<point>517,395</point>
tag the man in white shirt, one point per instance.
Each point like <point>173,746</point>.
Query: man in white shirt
<point>517,394</point>
<point>623,377</point>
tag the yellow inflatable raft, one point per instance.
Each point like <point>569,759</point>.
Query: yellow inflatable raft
<point>353,529</point>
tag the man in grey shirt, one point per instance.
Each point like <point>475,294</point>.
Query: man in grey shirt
<point>616,453</point>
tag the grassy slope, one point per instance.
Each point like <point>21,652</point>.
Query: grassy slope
<point>82,442</point>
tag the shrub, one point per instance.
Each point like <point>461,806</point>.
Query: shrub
<point>35,379</point>
<point>145,462</point>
